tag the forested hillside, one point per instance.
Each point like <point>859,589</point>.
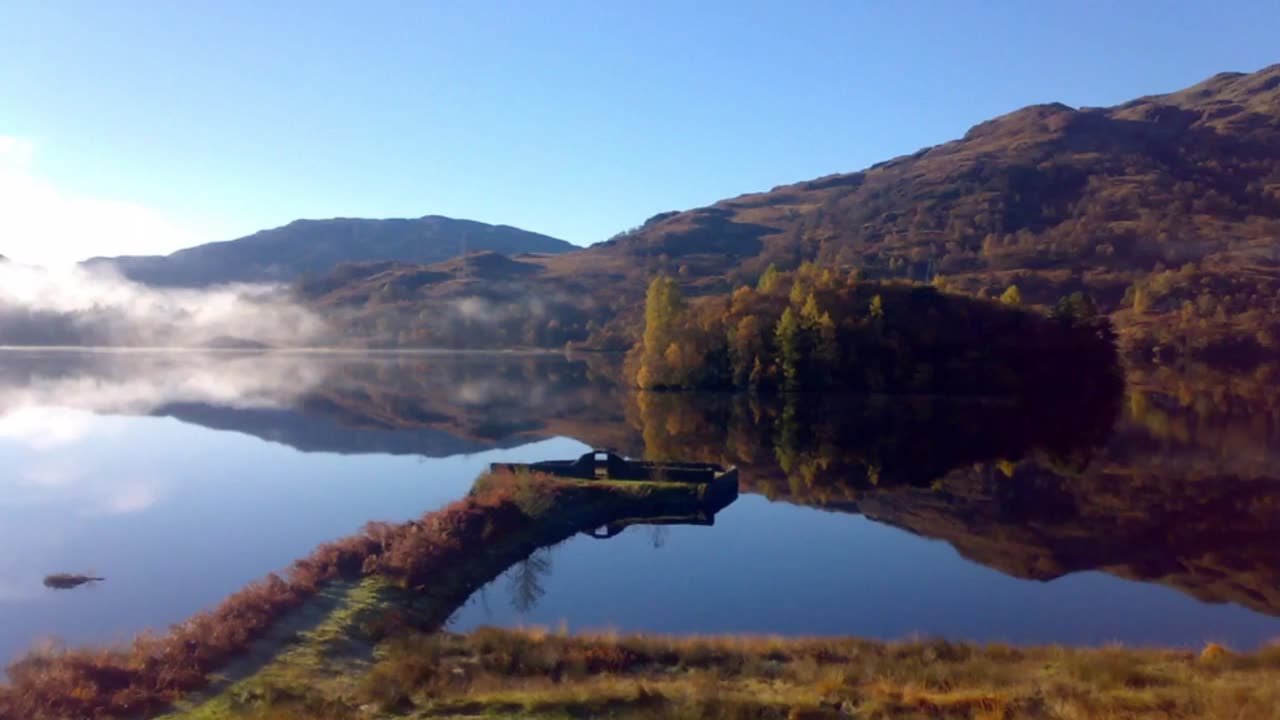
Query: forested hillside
<point>1164,210</point>
<point>813,329</point>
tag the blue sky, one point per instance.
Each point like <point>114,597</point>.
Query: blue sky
<point>147,126</point>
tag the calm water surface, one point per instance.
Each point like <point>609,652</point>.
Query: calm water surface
<point>182,477</point>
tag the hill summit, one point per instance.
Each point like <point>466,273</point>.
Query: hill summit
<point>313,247</point>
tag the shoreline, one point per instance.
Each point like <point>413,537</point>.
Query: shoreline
<point>537,673</point>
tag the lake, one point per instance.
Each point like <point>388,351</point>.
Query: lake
<point>179,477</point>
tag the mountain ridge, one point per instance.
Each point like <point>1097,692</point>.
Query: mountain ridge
<point>1164,209</point>
<point>308,247</point>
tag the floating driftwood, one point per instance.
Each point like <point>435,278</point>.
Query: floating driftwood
<point>67,581</point>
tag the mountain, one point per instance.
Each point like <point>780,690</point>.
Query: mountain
<point>1165,209</point>
<point>482,300</point>
<point>1164,179</point>
<point>1114,201</point>
<point>313,247</point>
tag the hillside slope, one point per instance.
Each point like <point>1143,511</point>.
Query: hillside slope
<point>1163,179</point>
<point>1165,209</point>
<point>311,247</point>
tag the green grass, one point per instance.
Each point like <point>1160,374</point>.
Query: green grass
<point>324,643</point>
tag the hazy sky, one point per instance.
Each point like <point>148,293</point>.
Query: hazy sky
<point>130,127</point>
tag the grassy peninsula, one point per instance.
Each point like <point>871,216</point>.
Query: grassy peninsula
<point>333,606</point>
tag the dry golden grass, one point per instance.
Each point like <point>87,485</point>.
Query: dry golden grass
<point>537,673</point>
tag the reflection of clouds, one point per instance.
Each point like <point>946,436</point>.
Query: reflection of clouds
<point>133,383</point>
<point>44,428</point>
<point>59,487</point>
<point>43,498</point>
<point>54,401</point>
<point>129,498</point>
<point>53,409</point>
<point>478,393</point>
<point>49,476</point>
<point>20,579</point>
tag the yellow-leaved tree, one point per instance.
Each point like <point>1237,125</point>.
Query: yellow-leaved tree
<point>664,306</point>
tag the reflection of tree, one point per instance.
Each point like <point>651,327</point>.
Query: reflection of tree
<point>832,447</point>
<point>1180,491</point>
<point>525,581</point>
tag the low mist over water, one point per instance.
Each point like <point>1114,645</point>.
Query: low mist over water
<point>77,306</point>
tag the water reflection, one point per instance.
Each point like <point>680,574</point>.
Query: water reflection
<point>433,405</point>
<point>1035,498</point>
<point>114,468</point>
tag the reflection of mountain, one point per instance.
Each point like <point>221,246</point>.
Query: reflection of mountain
<point>430,405</point>
<point>1032,491</point>
<point>1213,538</point>
<point>1032,494</point>
<point>318,432</point>
<point>1181,491</point>
<point>484,398</point>
<point>442,405</point>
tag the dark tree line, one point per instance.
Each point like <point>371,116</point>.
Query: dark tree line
<point>815,329</point>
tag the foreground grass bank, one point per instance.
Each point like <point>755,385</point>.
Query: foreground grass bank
<point>352,631</point>
<point>325,614</point>
<point>537,674</point>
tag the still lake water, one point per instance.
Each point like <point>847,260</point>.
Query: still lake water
<point>181,477</point>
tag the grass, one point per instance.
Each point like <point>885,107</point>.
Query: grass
<point>330,638</point>
<point>283,631</point>
<point>352,632</point>
<point>541,674</point>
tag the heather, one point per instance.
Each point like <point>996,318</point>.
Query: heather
<point>421,558</point>
<point>548,674</point>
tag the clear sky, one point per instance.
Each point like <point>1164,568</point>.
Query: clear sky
<point>145,126</point>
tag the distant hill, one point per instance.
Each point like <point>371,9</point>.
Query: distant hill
<point>485,300</point>
<point>1165,209</point>
<point>314,247</point>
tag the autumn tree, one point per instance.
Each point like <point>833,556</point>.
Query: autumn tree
<point>1012,296</point>
<point>787,337</point>
<point>664,306</point>
<point>746,346</point>
<point>769,279</point>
